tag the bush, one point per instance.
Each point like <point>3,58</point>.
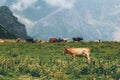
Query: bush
<point>99,70</point>
<point>116,76</point>
<point>85,70</point>
<point>23,69</point>
<point>35,73</point>
<point>13,54</point>
<point>3,71</point>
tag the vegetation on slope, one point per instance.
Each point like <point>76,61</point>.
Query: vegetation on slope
<point>23,61</point>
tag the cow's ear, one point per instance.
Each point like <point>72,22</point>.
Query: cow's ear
<point>88,49</point>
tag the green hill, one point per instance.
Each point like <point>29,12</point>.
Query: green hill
<point>26,61</point>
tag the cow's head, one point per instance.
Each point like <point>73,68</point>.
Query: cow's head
<point>65,51</point>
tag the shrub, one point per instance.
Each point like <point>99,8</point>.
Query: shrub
<point>85,70</point>
<point>116,76</point>
<point>35,72</point>
<point>3,71</point>
<point>99,70</point>
<point>13,54</point>
<point>23,69</point>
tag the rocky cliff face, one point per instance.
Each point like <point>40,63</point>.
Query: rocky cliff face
<point>12,24</point>
<point>4,34</point>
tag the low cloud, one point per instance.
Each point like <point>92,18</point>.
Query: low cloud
<point>116,36</point>
<point>21,5</point>
<point>25,21</point>
<point>61,3</point>
<point>48,16</point>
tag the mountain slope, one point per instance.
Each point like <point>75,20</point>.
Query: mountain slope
<point>11,23</point>
<point>4,34</point>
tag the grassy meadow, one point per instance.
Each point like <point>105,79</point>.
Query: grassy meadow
<point>37,61</point>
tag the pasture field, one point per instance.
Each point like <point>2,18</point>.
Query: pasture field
<point>36,61</point>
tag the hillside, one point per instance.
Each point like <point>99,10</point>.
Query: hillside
<point>11,23</point>
<point>5,34</point>
<point>26,61</point>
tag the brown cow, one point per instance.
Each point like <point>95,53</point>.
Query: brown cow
<point>77,39</point>
<point>78,52</point>
<point>53,40</point>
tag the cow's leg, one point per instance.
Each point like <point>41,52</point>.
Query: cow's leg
<point>88,58</point>
<point>86,55</point>
<point>73,57</point>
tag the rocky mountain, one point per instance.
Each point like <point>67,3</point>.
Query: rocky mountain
<point>5,34</point>
<point>11,23</point>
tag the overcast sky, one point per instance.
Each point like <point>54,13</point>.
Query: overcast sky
<point>31,12</point>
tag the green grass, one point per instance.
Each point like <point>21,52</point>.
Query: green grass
<point>35,61</point>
